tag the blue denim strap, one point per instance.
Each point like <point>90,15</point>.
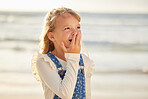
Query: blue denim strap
<point>55,60</point>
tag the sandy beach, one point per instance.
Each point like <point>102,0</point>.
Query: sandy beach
<point>29,97</point>
<point>104,86</point>
<point>21,96</point>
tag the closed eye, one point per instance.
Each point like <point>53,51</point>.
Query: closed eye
<point>67,28</point>
<point>78,27</point>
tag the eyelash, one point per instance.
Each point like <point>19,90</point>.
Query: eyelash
<point>78,27</point>
<point>67,28</point>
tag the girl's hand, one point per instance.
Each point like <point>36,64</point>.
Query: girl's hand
<point>75,46</point>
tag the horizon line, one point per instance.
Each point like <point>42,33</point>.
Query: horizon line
<point>103,12</point>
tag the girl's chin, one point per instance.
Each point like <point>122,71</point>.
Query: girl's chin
<point>67,46</point>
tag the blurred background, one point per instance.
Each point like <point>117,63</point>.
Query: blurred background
<point>115,33</point>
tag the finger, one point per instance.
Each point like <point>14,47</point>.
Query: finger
<point>63,47</point>
<point>78,39</point>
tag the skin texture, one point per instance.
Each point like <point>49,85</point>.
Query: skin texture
<point>67,28</point>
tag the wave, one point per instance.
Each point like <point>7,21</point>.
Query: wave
<point>94,45</point>
<point>132,71</point>
<point>14,71</point>
<point>138,71</point>
<point>106,43</point>
<point>20,13</point>
<point>96,15</point>
<point>19,39</point>
<point>116,46</point>
<point>115,43</point>
<point>115,15</point>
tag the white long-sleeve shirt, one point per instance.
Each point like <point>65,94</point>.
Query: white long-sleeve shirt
<point>47,73</point>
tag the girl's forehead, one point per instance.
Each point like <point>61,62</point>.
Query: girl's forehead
<point>66,19</point>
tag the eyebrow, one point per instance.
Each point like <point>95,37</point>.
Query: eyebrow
<point>69,25</point>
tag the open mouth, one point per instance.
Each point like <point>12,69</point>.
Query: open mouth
<point>70,40</point>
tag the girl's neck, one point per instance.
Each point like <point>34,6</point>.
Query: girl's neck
<point>59,54</point>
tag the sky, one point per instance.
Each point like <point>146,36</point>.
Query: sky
<point>102,6</point>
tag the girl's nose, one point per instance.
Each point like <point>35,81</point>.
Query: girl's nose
<point>74,31</point>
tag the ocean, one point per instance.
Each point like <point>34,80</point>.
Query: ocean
<point>118,44</point>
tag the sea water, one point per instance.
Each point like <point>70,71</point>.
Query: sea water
<point>118,44</point>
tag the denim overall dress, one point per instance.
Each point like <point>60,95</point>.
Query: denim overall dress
<point>79,91</point>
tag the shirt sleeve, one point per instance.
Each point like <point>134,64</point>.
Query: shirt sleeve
<point>89,65</point>
<point>63,88</point>
<point>89,69</point>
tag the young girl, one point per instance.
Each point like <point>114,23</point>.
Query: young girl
<point>59,66</point>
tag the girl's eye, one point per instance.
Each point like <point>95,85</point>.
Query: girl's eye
<point>67,28</point>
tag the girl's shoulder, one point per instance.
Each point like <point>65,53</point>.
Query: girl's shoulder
<point>89,65</point>
<point>87,59</point>
<point>40,58</point>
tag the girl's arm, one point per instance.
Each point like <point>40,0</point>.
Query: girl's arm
<point>63,88</point>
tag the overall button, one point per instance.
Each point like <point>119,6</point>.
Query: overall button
<point>82,71</point>
<point>62,73</point>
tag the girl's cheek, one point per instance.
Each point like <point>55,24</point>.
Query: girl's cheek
<point>65,33</point>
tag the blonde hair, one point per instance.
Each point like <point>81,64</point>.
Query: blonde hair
<point>46,44</point>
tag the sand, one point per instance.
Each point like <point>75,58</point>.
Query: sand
<point>17,96</point>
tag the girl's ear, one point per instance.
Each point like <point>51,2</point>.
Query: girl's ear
<point>51,36</point>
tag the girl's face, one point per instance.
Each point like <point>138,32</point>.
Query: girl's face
<point>65,27</point>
